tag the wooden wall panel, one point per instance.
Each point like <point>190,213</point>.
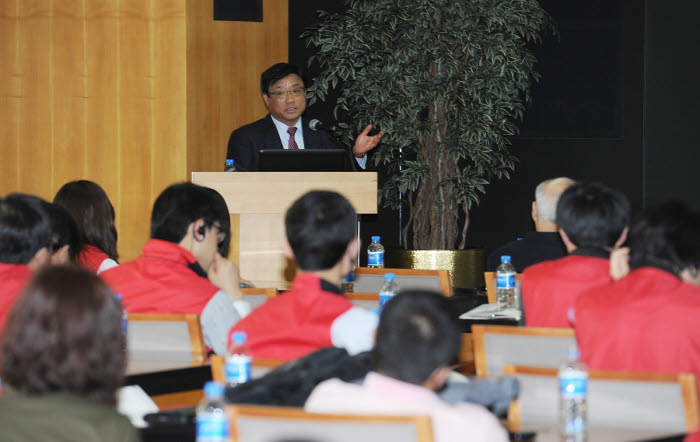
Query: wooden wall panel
<point>10,94</point>
<point>68,80</point>
<point>135,123</point>
<point>103,92</point>
<point>131,94</point>
<point>36,128</point>
<point>168,162</point>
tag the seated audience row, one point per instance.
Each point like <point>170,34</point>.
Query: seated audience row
<point>593,219</point>
<point>646,320</point>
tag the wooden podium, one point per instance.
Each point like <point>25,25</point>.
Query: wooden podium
<point>258,201</point>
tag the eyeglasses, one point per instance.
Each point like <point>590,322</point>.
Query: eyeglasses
<point>281,95</point>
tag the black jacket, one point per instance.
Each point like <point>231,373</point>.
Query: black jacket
<point>245,143</point>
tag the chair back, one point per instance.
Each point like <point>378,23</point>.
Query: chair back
<point>160,341</point>
<point>258,367</point>
<point>490,280</point>
<point>617,400</point>
<point>271,424</point>
<point>257,296</point>
<point>497,345</point>
<point>370,280</point>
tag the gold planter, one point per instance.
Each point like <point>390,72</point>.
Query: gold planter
<point>466,266</point>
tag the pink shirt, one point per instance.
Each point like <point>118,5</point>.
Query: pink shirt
<point>381,394</point>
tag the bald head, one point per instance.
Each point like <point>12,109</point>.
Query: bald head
<point>544,208</point>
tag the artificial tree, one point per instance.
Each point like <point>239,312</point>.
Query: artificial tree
<point>446,80</point>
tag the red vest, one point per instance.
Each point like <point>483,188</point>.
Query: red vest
<point>646,321</point>
<point>159,281</point>
<point>295,323</point>
<point>13,278</point>
<point>91,258</point>
<point>550,288</point>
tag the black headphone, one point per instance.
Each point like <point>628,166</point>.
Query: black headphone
<point>199,232</point>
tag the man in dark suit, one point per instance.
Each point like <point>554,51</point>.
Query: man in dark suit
<point>284,93</point>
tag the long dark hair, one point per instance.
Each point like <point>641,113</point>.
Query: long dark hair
<point>90,207</point>
<point>64,335</point>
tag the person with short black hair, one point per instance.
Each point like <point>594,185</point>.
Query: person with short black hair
<point>321,236</point>
<point>182,268</point>
<point>92,210</point>
<point>418,338</point>
<point>593,220</point>
<point>648,319</point>
<point>65,237</point>
<point>284,93</point>
<point>63,359</point>
<point>25,238</point>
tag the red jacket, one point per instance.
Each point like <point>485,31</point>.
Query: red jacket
<point>159,281</point>
<point>549,289</point>
<point>13,278</point>
<point>295,323</point>
<point>646,321</point>
<point>91,257</point>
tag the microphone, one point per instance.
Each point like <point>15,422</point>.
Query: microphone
<point>316,124</point>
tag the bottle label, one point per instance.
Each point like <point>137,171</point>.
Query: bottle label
<point>573,387</point>
<point>212,427</point>
<point>375,259</point>
<point>384,298</point>
<point>237,369</point>
<point>505,281</point>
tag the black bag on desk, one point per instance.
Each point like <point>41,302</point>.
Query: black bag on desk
<point>291,384</point>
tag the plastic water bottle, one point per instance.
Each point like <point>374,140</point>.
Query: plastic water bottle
<point>238,360</point>
<point>212,420</point>
<point>125,318</point>
<point>375,253</point>
<point>573,387</point>
<point>388,290</point>
<point>505,283</point>
<point>229,166</point>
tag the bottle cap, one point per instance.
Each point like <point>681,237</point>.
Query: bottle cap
<point>229,161</point>
<point>214,389</point>
<point>376,238</point>
<point>390,277</point>
<point>505,259</point>
<point>573,352</point>
<point>239,337</point>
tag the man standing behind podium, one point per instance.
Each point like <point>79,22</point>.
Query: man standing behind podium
<point>284,93</point>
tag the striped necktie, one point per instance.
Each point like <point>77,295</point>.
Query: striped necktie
<point>292,142</point>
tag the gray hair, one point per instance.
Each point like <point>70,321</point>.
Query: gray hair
<point>547,195</point>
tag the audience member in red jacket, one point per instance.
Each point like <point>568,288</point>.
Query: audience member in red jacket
<point>322,238</point>
<point>182,268</point>
<point>25,235</point>
<point>91,209</point>
<point>648,319</point>
<point>592,220</point>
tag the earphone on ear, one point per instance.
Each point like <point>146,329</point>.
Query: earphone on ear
<point>201,230</point>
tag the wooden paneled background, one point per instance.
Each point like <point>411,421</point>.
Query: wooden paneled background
<point>132,94</point>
